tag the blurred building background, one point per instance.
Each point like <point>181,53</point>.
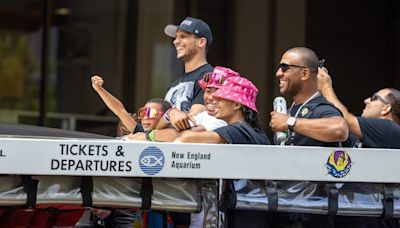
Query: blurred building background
<point>50,48</point>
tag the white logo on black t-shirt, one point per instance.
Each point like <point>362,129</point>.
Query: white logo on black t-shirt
<point>180,95</point>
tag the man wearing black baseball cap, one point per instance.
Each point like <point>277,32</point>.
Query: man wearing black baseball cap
<point>192,38</point>
<point>191,25</point>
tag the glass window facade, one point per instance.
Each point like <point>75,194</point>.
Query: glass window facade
<point>46,65</point>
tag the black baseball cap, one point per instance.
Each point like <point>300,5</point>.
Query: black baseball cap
<point>192,25</point>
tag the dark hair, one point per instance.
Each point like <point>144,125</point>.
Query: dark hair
<point>394,99</point>
<point>251,117</point>
<point>308,56</point>
<point>165,105</point>
<point>123,130</point>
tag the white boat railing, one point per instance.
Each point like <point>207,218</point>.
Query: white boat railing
<point>175,177</point>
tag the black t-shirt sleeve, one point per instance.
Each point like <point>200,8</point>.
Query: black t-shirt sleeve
<point>239,133</point>
<point>231,134</point>
<point>198,94</point>
<point>352,141</point>
<point>378,133</point>
<point>326,111</point>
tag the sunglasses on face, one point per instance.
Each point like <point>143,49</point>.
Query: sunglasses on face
<point>148,113</point>
<point>214,78</point>
<point>376,97</point>
<point>284,66</point>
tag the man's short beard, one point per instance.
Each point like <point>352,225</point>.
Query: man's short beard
<point>188,56</point>
<point>294,90</point>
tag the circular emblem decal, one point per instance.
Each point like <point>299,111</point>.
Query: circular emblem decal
<point>339,163</point>
<point>304,111</point>
<point>151,160</point>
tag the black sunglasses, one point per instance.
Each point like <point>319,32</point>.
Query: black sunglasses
<point>377,97</point>
<point>284,66</point>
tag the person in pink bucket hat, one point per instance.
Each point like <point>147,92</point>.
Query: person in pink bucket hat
<point>235,103</point>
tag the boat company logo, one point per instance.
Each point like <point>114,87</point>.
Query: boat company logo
<point>151,160</point>
<point>339,163</point>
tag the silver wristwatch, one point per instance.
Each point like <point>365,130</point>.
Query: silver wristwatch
<point>291,121</point>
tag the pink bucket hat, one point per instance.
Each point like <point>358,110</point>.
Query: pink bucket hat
<point>217,78</point>
<point>240,90</point>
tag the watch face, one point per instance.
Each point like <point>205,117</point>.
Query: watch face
<point>291,121</point>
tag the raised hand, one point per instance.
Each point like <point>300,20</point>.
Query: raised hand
<point>97,82</point>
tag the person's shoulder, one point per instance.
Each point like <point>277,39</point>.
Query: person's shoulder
<point>232,128</point>
<point>378,122</point>
<point>206,68</point>
<point>258,136</point>
<point>321,105</point>
<point>263,139</point>
<point>200,71</point>
<point>372,120</point>
<point>178,80</point>
<point>379,133</point>
<point>321,101</point>
<point>382,125</point>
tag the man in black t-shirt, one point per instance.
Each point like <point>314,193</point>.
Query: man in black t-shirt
<point>312,121</point>
<point>192,39</point>
<point>378,127</point>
